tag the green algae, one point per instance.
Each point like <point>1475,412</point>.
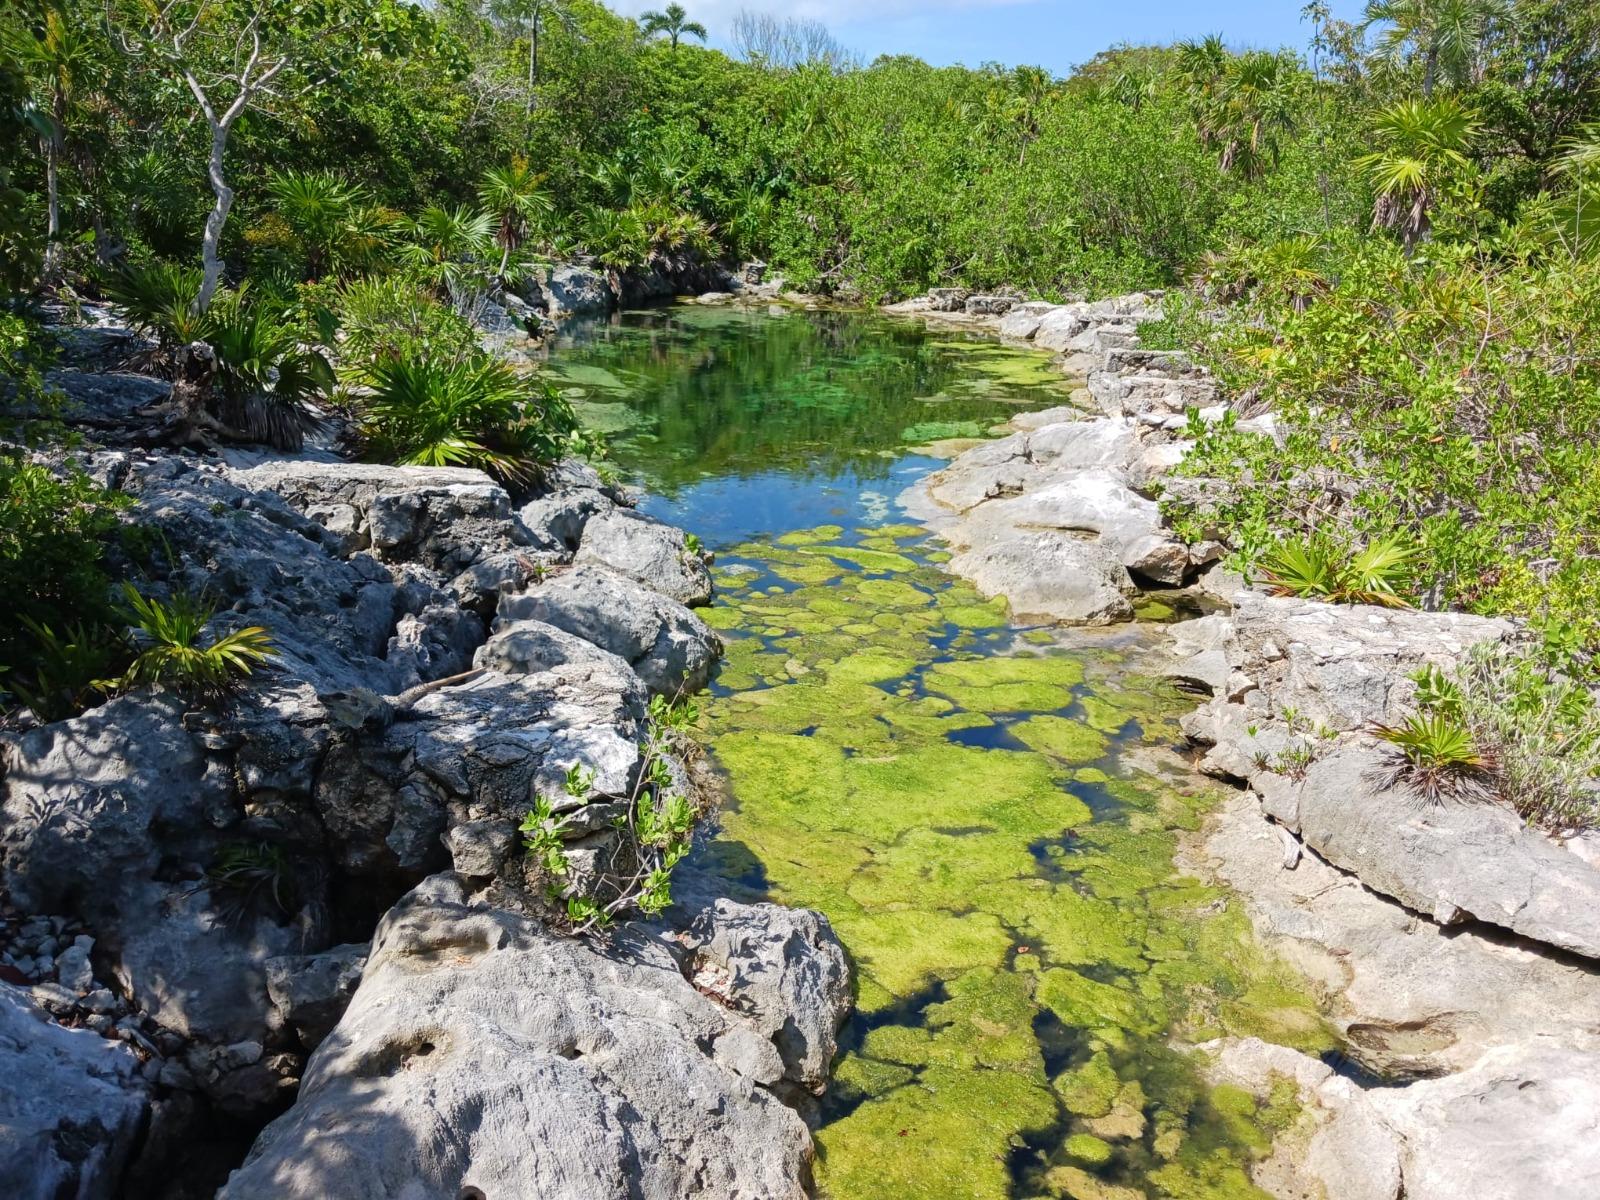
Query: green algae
<point>921,789</point>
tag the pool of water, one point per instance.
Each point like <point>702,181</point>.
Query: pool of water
<point>987,813</point>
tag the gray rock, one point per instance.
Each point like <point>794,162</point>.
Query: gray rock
<point>990,305</point>
<point>672,650</point>
<point>1472,859</point>
<point>557,519</point>
<point>648,552</point>
<point>72,1106</point>
<point>783,969</point>
<point>529,647</point>
<point>72,966</point>
<point>947,299</point>
<point>1050,577</point>
<point>311,991</point>
<point>570,290</point>
<point>481,1051</point>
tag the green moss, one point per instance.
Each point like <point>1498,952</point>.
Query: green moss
<point>812,537</point>
<point>1089,1090</point>
<point>858,797</point>
<point>1070,741</point>
<point>1087,1148</point>
<point>945,1137</point>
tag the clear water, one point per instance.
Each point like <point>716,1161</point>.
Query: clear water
<point>987,814</point>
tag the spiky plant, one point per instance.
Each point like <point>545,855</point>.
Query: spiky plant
<point>1422,148</point>
<point>267,383</point>
<point>513,195</point>
<point>472,413</point>
<point>177,653</point>
<point>1434,755</point>
<point>1320,568</point>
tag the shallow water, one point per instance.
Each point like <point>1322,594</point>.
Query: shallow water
<point>987,814</point>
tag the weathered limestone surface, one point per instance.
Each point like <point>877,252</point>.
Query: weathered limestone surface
<point>482,1052</point>
<point>72,1106</point>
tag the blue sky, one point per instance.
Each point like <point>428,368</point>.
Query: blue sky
<point>1052,33</point>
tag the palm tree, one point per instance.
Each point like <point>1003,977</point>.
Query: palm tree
<point>1252,104</point>
<point>529,19</point>
<point>60,54</point>
<point>1422,143</point>
<point>1448,34</point>
<point>513,197</point>
<point>673,22</point>
<point>1201,66</point>
<point>445,243</point>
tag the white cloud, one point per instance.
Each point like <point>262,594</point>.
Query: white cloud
<point>717,15</point>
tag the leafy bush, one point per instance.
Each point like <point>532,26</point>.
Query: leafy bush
<point>68,669</point>
<point>54,530</point>
<point>174,653</point>
<point>1447,399</point>
<point>1318,567</point>
<point>389,318</point>
<point>1542,730</point>
<point>472,413</point>
<point>655,827</point>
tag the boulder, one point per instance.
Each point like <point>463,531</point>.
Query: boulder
<point>783,970</point>
<point>1057,328</point>
<point>72,1107</point>
<point>947,299</point>
<point>529,647</point>
<point>990,305</point>
<point>1022,320</point>
<point>1050,576</point>
<point>444,518</point>
<point>672,649</point>
<point>311,991</point>
<point>571,291</point>
<point>1454,861</point>
<point>482,1055</point>
<point>648,552</point>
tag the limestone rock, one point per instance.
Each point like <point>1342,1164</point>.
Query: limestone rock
<point>311,991</point>
<point>529,647</point>
<point>784,970</point>
<point>647,551</point>
<point>1477,858</point>
<point>670,647</point>
<point>1050,576</point>
<point>72,1107</point>
<point>483,1053</point>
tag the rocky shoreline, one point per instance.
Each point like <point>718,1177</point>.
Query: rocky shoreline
<point>1457,951</point>
<point>446,655</point>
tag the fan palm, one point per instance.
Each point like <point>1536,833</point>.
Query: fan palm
<point>513,198</point>
<point>332,223</point>
<point>444,241</point>
<point>673,22</point>
<point>1448,35</point>
<point>1422,146</point>
<point>1253,103</point>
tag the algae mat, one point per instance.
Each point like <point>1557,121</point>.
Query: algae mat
<point>960,798</point>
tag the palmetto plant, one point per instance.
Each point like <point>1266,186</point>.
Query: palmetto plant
<point>513,197</point>
<point>247,879</point>
<point>446,242</point>
<point>177,654</point>
<point>333,224</point>
<point>1434,755</point>
<point>159,300</point>
<point>266,383</point>
<point>473,413</point>
<point>674,22</point>
<point>1320,568</point>
<point>1422,149</point>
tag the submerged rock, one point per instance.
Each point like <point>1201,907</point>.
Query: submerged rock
<point>483,1055</point>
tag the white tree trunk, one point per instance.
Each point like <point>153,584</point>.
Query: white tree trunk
<point>211,242</point>
<point>52,185</point>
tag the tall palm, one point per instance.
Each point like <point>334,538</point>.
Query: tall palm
<point>1200,68</point>
<point>1448,35</point>
<point>674,22</point>
<point>446,242</point>
<point>1254,102</point>
<point>60,55</point>
<point>530,19</point>
<point>1422,144</point>
<point>512,196</point>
